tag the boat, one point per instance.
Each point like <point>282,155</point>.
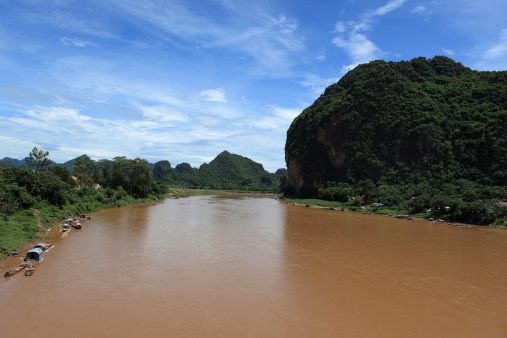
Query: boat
<point>18,268</point>
<point>34,255</point>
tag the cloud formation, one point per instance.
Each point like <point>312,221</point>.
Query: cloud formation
<point>351,36</point>
<point>183,80</point>
<point>499,49</point>
<point>213,95</point>
<point>75,42</point>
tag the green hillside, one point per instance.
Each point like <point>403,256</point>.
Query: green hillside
<point>425,122</point>
<point>227,171</point>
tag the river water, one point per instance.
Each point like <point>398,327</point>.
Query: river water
<point>214,266</point>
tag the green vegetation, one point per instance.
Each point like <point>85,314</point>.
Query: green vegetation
<point>423,135</point>
<point>226,172</point>
<point>31,200</point>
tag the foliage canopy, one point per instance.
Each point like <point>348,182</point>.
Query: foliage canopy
<point>401,124</point>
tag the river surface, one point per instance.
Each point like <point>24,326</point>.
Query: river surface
<point>212,266</point>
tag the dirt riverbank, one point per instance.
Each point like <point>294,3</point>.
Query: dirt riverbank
<point>49,235</point>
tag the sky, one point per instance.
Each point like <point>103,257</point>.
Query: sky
<point>184,80</point>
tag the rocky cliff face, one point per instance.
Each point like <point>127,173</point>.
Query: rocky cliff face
<point>387,122</point>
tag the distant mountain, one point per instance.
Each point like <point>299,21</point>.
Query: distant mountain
<point>7,162</point>
<point>69,164</point>
<point>230,171</point>
<point>226,171</point>
<point>11,162</point>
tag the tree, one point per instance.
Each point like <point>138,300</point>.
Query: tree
<point>85,165</point>
<point>52,189</point>
<point>133,176</point>
<point>139,177</point>
<point>64,174</point>
<point>281,172</point>
<point>335,191</point>
<point>37,160</point>
<point>104,168</point>
<point>284,187</point>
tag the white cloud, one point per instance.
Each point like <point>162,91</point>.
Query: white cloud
<point>421,10</point>
<point>448,51</point>
<point>286,114</point>
<point>340,27</point>
<point>389,7</point>
<point>268,39</point>
<point>18,148</point>
<point>162,113</point>
<point>75,42</point>
<point>159,131</point>
<point>359,48</point>
<point>351,36</point>
<point>317,84</point>
<point>276,118</point>
<point>213,95</point>
<point>499,50</point>
<point>61,114</point>
<point>493,55</point>
<point>55,15</point>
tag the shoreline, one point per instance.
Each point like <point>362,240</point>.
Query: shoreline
<point>51,234</point>
<point>395,216</point>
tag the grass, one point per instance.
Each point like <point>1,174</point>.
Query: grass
<point>316,202</point>
<point>353,207</point>
<point>186,192</point>
<point>16,231</point>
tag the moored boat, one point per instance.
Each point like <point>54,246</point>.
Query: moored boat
<point>34,255</point>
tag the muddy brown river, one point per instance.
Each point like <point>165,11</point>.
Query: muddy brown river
<point>212,266</point>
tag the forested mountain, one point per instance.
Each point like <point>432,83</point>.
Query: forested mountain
<point>432,121</point>
<point>8,162</point>
<point>226,171</point>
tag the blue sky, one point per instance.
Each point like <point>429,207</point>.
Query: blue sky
<point>183,80</point>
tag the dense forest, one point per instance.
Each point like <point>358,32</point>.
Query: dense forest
<point>227,171</point>
<point>425,134</point>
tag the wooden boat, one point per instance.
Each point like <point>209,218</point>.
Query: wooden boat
<point>20,267</point>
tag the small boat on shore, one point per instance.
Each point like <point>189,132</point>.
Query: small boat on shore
<point>76,225</point>
<point>18,268</point>
<point>34,255</point>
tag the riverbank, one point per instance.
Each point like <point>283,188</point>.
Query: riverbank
<point>50,235</point>
<point>186,192</point>
<point>377,210</point>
